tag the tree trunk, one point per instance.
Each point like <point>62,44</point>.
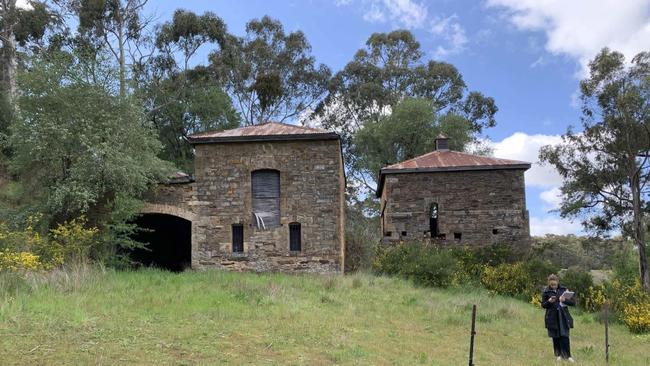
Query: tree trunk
<point>9,62</point>
<point>120,45</point>
<point>638,231</point>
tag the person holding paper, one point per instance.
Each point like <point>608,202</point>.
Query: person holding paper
<point>558,320</point>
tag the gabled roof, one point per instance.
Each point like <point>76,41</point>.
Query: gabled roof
<point>447,160</point>
<point>270,131</point>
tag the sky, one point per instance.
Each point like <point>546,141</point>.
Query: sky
<point>529,55</point>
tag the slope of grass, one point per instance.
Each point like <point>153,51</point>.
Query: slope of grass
<point>203,318</point>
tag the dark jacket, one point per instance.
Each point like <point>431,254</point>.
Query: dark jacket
<point>554,312</point>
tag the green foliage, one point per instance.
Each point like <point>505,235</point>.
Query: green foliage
<point>272,75</point>
<point>580,251</point>
<point>578,280</point>
<point>361,239</point>
<point>508,279</point>
<point>74,159</point>
<point>409,131</point>
<point>424,265</point>
<point>181,99</point>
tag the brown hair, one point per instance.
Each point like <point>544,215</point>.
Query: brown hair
<point>553,277</point>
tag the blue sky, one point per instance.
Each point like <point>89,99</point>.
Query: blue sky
<point>527,54</point>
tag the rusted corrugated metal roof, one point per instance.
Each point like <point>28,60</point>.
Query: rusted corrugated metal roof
<point>452,159</point>
<point>265,131</point>
<point>447,160</point>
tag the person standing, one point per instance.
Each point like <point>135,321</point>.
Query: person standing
<point>558,320</point>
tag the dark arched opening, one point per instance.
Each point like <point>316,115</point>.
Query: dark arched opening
<point>168,239</point>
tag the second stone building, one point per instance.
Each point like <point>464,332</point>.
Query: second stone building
<point>450,197</point>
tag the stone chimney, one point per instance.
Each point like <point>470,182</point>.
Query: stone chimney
<point>442,143</point>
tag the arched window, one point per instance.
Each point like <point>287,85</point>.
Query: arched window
<point>266,198</point>
<point>433,220</point>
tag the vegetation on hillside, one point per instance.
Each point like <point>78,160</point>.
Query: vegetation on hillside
<point>153,317</point>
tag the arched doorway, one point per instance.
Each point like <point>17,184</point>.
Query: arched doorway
<point>168,239</point>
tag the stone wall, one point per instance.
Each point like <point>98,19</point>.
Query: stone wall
<point>483,206</point>
<point>311,193</point>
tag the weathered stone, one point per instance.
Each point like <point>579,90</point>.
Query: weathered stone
<point>483,206</point>
<point>312,193</point>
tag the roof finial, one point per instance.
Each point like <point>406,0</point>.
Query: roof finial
<point>442,142</point>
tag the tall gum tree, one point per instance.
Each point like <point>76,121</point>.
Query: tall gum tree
<point>606,167</point>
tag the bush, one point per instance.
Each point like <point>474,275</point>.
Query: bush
<point>578,280</point>
<point>538,271</point>
<point>424,265</point>
<point>472,261</point>
<point>637,317</point>
<point>15,261</point>
<point>508,279</point>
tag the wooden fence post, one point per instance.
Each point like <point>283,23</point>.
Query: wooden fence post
<point>471,340</point>
<point>607,332</point>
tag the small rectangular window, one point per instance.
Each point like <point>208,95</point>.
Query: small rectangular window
<point>388,233</point>
<point>495,231</point>
<point>403,233</point>
<point>237,238</point>
<point>295,242</point>
<point>458,236</point>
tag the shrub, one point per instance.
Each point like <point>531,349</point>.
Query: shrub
<point>538,271</point>
<point>14,261</point>
<point>424,265</point>
<point>72,240</point>
<point>472,261</point>
<point>577,280</point>
<point>637,317</point>
<point>509,280</point>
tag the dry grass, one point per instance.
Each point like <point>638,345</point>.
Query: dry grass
<point>158,318</point>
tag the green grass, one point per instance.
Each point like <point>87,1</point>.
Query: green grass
<point>204,318</point>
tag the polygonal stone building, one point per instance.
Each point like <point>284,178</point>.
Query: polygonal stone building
<point>450,197</point>
<point>263,198</point>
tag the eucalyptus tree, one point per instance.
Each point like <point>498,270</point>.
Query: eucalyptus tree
<point>181,96</point>
<point>388,70</point>
<point>606,166</point>
<point>117,25</point>
<point>19,25</point>
<point>269,74</point>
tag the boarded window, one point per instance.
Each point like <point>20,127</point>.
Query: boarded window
<point>433,220</point>
<point>237,238</point>
<point>295,241</point>
<point>266,198</point>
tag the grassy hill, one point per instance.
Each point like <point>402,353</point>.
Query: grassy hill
<point>158,318</point>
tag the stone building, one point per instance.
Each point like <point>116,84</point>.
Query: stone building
<point>450,197</point>
<point>263,198</point>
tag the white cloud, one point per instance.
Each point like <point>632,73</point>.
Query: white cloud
<point>521,146</point>
<point>553,225</point>
<point>23,4</point>
<point>412,14</point>
<point>451,31</point>
<point>581,28</point>
<point>404,13</point>
<point>552,198</point>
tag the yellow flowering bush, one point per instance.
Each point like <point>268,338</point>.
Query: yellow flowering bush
<point>637,317</point>
<point>508,279</point>
<point>72,240</point>
<point>536,299</point>
<point>28,249</point>
<point>595,298</point>
<point>13,261</point>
